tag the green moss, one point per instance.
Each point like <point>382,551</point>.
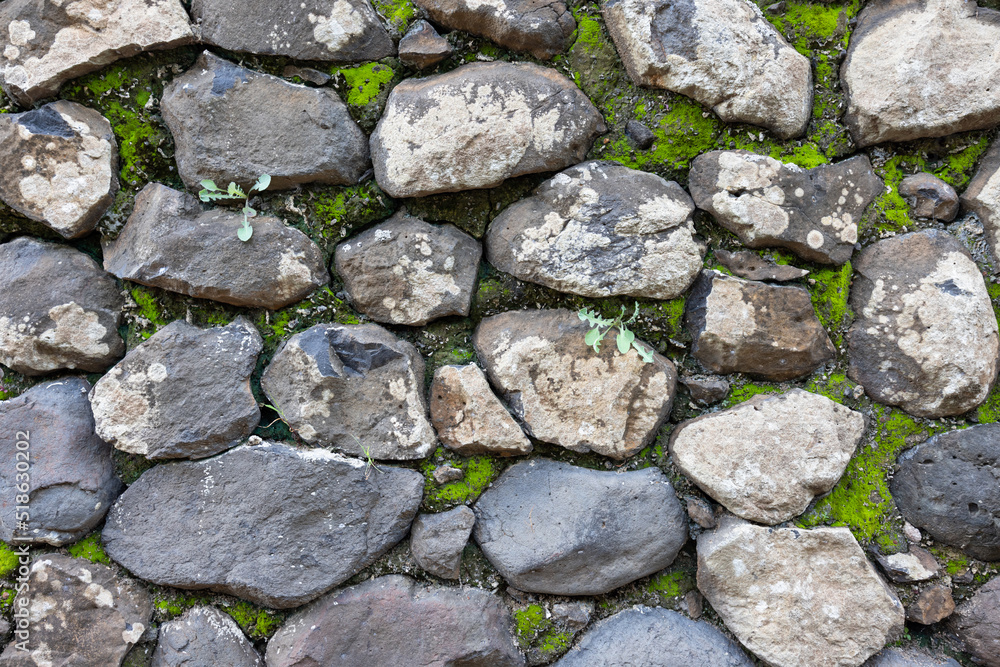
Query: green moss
<point>479,472</point>
<point>365,82</point>
<point>150,315</point>
<point>683,133</point>
<point>747,390</point>
<point>170,603</point>
<point>829,294</point>
<point>8,560</point>
<point>671,584</point>
<point>333,214</point>
<point>808,26</point>
<point>398,13</point>
<point>529,622</point>
<point>91,549</point>
<point>129,467</point>
<point>542,638</point>
<point>257,622</point>
<point>832,386</point>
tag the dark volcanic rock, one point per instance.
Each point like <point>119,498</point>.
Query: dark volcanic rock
<point>437,540</point>
<point>422,46</point>
<point>272,524</point>
<point>705,390</point>
<point>929,197</point>
<point>640,134</point>
<point>751,266</point>
<point>908,657</point>
<point>982,197</point>
<point>977,624</point>
<point>555,528</point>
<point>204,637</point>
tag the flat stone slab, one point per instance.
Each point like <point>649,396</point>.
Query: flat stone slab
<point>750,265</point>
<point>204,637</point>
<point>982,197</point>
<point>437,540</point>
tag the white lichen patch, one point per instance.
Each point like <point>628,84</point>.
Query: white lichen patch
<point>344,25</point>
<point>757,209</point>
<point>123,408</point>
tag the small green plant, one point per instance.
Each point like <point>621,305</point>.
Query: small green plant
<point>625,338</point>
<point>370,462</point>
<point>212,192</point>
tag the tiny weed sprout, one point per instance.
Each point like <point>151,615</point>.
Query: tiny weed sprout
<point>370,462</point>
<point>212,192</point>
<point>625,338</point>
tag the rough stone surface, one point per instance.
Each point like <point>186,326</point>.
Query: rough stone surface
<point>937,59</point>
<point>60,164</point>
<point>982,196</point>
<point>308,74</point>
<point>406,271</point>
<point>640,134</point>
<point>751,266</point>
<point>356,388</point>
<point>204,637</point>
<point>575,615</point>
<point>907,567</point>
<point>700,512</point>
<point>79,613</point>
<point>750,327</point>
<point>932,605</point>
<point>925,337</point>
<point>72,479</point>
<point>977,624</point>
<point>230,123</point>
<point>445,474</point>
<point>929,197</point>
<point>767,458</point>
<point>723,53</point>
<point>814,213</point>
<point>948,487</point>
<point>705,390</point>
<point>479,125</point>
<point>600,229</point>
<point>45,44</point>
<point>58,309</point>
<point>170,242</point>
<point>393,620</point>
<point>551,527</point>
<point>338,31</point>
<point>908,657</point>
<point>795,597</point>
<point>468,416</point>
<point>183,393</point>
<point>422,46</point>
<point>272,524</point>
<point>437,540</point>
<point>609,403</point>
<point>654,636</point>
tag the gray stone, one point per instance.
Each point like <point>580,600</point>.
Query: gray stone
<point>700,512</point>
<point>4,629</point>
<point>932,605</point>
<point>574,615</point>
<point>742,326</point>
<point>948,487</point>
<point>204,637</point>
<point>61,166</point>
<point>908,657</point>
<point>183,393</point>
<point>565,393</point>
<point>272,524</point>
<point>307,74</point>
<point>543,28</point>
<point>705,390</point>
<point>233,124</point>
<point>937,58</point>
<point>79,614</point>
<point>356,388</point>
<point>640,134</point>
<point>406,271</point>
<point>479,125</point>
<point>814,213</point>
<point>982,197</point>
<point>925,337</point>
<point>337,31</point>
<point>393,620</point>
<point>795,597</point>
<point>723,53</point>
<point>468,416</point>
<point>750,265</point>
<point>445,474</point>
<point>600,229</point>
<point>72,479</point>
<point>908,567</point>
<point>171,243</point>
<point>767,458</point>
<point>422,46</point>
<point>976,622</point>
<point>551,527</point>
<point>58,309</point>
<point>654,636</point>
<point>437,540</point>
<point>45,44</point>
<point>929,197</point>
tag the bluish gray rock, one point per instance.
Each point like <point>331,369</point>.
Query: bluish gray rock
<point>204,637</point>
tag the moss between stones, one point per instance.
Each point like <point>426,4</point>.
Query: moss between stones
<point>479,471</point>
<point>8,560</point>
<point>90,548</point>
<point>537,634</point>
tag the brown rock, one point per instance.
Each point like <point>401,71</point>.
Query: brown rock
<point>929,197</point>
<point>422,46</point>
<point>750,265</point>
<point>445,474</point>
<point>934,604</point>
<point>700,512</point>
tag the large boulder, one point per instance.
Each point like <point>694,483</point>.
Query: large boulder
<point>976,622</point>
<point>479,125</point>
<point>204,637</point>
<point>567,394</point>
<point>925,337</point>
<point>982,196</point>
<point>272,524</point>
<point>600,229</point>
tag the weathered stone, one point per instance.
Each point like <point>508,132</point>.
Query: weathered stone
<point>204,637</point>
<point>574,615</point>
<point>356,388</point>
<point>937,58</point>
<point>600,229</point>
<point>932,605</point>
<point>72,479</point>
<point>272,524</point>
<point>171,243</point>
<point>654,636</point>
<point>61,166</point>
<point>700,512</point>
<point>338,31</point>
<point>905,568</point>
<point>406,271</point>
<point>422,46</point>
<point>565,393</point>
<point>693,603</point>
<point>231,124</point>
<point>908,657</point>
<point>640,134</point>
<point>705,390</point>
<point>982,197</point>
<point>929,197</point>
<point>911,532</point>
<point>479,125</point>
<point>767,458</point>
<point>925,337</point>
<point>468,416</point>
<point>79,613</point>
<point>543,28</point>
<point>977,624</point>
<point>723,53</point>
<point>437,540</point>
<point>795,597</point>
<point>393,620</point>
<point>307,74</point>
<point>58,309</point>
<point>551,527</point>
<point>741,326</point>
<point>445,474</point>
<point>45,44</point>
<point>814,213</point>
<point>752,266</point>
<point>183,393</point>
<point>948,487</point>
